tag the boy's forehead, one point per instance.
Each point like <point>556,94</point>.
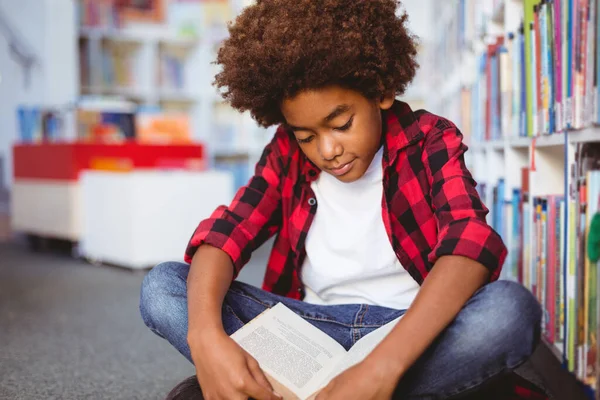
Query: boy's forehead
<point>319,105</point>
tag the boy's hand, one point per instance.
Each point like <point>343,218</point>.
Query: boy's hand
<point>362,381</point>
<point>226,371</point>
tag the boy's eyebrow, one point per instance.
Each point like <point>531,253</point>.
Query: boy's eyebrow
<point>339,110</point>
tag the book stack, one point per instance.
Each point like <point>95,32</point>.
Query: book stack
<point>162,127</point>
<point>103,121</point>
<point>105,126</point>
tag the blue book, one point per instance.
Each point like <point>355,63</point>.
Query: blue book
<point>494,134</point>
<point>481,96</point>
<point>533,80</point>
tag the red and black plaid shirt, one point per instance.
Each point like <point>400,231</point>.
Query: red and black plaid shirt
<point>430,207</point>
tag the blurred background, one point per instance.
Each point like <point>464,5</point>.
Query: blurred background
<point>114,145</point>
<point>96,94</point>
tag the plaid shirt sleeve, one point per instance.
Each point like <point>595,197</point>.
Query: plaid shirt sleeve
<point>459,211</point>
<point>253,216</point>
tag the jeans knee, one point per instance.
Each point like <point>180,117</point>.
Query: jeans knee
<point>516,308</point>
<point>159,286</point>
<point>513,320</point>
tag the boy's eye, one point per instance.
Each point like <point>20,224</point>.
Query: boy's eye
<point>346,126</point>
<point>307,140</point>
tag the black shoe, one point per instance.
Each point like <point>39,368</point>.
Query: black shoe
<point>189,389</point>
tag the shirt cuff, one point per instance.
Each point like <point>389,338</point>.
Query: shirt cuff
<point>474,239</point>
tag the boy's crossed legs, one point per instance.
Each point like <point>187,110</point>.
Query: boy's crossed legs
<point>495,332</point>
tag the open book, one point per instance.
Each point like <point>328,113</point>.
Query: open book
<point>297,358</point>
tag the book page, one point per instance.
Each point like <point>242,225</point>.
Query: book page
<point>290,350</point>
<point>362,348</point>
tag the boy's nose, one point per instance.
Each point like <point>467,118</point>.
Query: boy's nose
<point>329,148</point>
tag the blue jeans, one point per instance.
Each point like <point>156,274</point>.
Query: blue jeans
<point>496,331</point>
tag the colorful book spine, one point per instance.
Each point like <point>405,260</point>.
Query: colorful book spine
<point>572,287</point>
<point>545,71</point>
<point>591,273</point>
<point>550,270</point>
<point>560,275</point>
<point>558,54</point>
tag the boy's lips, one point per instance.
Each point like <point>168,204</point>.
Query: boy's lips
<point>342,169</point>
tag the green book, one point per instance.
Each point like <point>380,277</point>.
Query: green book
<point>529,85</point>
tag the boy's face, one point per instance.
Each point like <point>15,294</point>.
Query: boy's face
<point>338,129</point>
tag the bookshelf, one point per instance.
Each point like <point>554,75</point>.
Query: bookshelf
<point>167,66</point>
<point>521,80</point>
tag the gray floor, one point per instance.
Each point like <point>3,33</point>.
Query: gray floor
<point>70,330</point>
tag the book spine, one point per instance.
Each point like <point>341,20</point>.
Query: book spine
<point>544,71</point>
<point>551,68</point>
<point>550,271</point>
<point>572,288</point>
<point>537,39</point>
<point>558,28</point>
<point>561,304</point>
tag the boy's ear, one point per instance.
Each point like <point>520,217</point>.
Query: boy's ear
<point>387,100</point>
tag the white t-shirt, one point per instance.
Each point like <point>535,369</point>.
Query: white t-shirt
<point>349,257</point>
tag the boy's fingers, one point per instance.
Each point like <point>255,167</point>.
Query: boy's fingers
<point>257,391</point>
<point>259,375</point>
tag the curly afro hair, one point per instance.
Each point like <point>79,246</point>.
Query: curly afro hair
<point>277,48</point>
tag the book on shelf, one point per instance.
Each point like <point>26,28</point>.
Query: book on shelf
<point>299,359</point>
<point>118,64</point>
<point>538,78</point>
<point>184,19</point>
<point>112,14</point>
<point>548,238</point>
<point>98,13</point>
<point>105,126</point>
<point>110,65</point>
<point>584,196</point>
<point>40,124</point>
<point>162,128</point>
<point>172,68</point>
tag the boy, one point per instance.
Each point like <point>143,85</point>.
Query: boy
<point>375,213</point>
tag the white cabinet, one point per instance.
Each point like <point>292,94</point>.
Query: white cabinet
<point>148,216</point>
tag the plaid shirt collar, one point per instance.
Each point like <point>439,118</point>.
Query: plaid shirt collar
<point>400,129</point>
